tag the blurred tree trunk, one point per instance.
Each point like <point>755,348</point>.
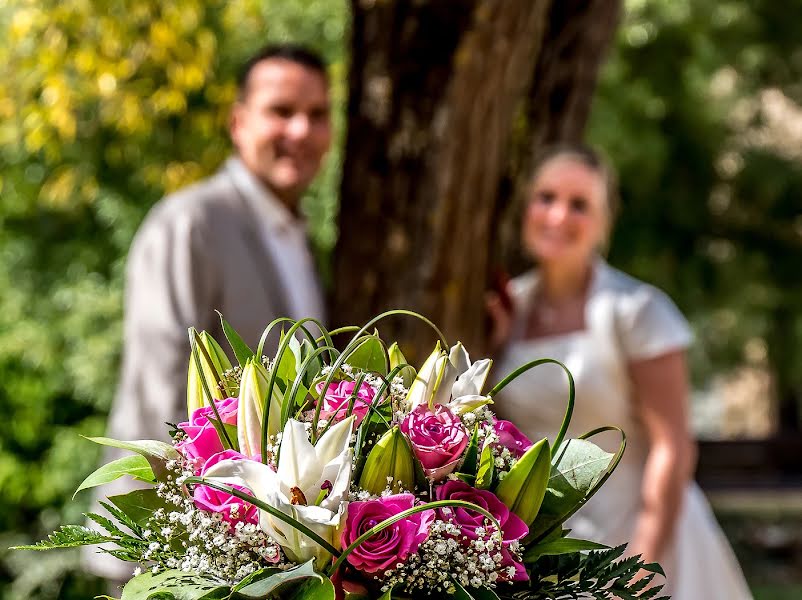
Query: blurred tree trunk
<point>442,96</point>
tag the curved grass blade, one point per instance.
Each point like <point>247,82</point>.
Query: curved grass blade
<point>569,409</point>
<point>283,346</point>
<point>355,340</point>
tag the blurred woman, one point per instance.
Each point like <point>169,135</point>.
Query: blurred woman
<point>624,342</point>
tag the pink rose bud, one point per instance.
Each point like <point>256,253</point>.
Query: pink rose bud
<point>438,439</point>
<point>510,437</point>
<point>232,509</point>
<point>337,397</point>
<point>470,522</point>
<point>202,439</point>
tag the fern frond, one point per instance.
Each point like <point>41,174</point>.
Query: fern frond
<point>69,536</point>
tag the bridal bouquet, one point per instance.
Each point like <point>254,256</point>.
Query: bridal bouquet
<point>323,474</point>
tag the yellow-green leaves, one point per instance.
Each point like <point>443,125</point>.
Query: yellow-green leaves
<point>210,373</point>
<point>391,461</point>
<point>523,488</point>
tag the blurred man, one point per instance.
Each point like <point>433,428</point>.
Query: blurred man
<point>233,243</point>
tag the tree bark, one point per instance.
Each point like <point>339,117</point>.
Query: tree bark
<point>437,91</point>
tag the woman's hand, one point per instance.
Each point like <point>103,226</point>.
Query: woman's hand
<point>500,314</point>
<point>660,390</point>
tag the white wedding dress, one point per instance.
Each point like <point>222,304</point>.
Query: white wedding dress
<point>625,320</point>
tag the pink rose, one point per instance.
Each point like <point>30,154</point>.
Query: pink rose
<point>438,439</point>
<point>337,397</point>
<point>202,440</point>
<point>510,437</point>
<point>512,527</point>
<point>212,500</point>
<point>393,544</point>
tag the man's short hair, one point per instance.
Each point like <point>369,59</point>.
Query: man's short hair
<point>296,53</point>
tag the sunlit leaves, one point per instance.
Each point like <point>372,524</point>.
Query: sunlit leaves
<point>105,77</point>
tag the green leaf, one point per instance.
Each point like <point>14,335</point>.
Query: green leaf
<point>388,595</point>
<point>255,577</point>
<point>484,476</point>
<point>524,486</point>
<point>561,546</point>
<point>241,350</point>
<point>369,355</point>
<point>576,468</point>
<point>286,369</point>
<point>470,463</point>
<point>68,536</point>
<point>174,585</point>
<point>482,593</point>
<point>155,451</point>
<point>260,588</point>
<point>460,593</point>
<point>135,465</point>
<point>315,589</point>
<point>227,434</point>
<point>316,365</point>
<point>470,593</point>
<point>139,505</point>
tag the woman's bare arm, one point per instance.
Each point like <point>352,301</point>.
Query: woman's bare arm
<point>660,391</point>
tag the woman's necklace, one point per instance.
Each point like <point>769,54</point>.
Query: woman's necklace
<point>552,318</point>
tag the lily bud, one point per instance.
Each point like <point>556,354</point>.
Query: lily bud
<point>523,488</point>
<point>391,460</point>
<point>428,378</point>
<point>397,357</point>
<point>196,397</point>
<point>250,414</point>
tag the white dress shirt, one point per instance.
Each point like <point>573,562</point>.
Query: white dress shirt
<point>284,236</point>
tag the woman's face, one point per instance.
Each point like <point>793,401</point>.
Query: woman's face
<point>567,217</point>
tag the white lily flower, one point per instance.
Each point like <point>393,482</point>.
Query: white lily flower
<point>310,485</point>
<point>452,380</point>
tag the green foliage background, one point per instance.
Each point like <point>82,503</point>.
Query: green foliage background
<point>699,110</point>
<point>104,107</point>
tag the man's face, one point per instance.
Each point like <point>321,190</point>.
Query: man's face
<point>282,127</point>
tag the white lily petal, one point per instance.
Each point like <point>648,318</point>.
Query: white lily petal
<point>250,411</point>
<point>471,382</point>
<point>298,464</point>
<point>425,377</point>
<point>458,356</point>
<point>297,546</point>
<point>265,485</point>
<point>465,404</point>
<point>446,376</point>
<point>338,473</point>
<point>257,477</point>
<point>334,442</point>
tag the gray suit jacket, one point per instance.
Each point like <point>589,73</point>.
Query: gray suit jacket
<point>197,251</point>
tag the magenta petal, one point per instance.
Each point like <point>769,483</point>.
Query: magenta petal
<point>395,543</point>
